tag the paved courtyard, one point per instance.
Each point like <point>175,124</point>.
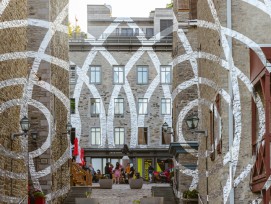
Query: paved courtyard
<point>122,194</point>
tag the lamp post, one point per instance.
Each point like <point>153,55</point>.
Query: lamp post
<point>68,131</point>
<point>192,124</point>
<point>25,125</point>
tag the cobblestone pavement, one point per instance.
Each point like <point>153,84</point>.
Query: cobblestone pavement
<point>122,194</point>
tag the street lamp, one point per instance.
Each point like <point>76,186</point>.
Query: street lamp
<point>192,124</point>
<point>25,125</point>
<point>68,127</point>
<point>165,126</point>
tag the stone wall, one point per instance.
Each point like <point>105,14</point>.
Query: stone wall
<point>248,21</point>
<point>13,39</point>
<point>36,79</point>
<point>211,42</point>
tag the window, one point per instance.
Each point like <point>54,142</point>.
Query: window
<point>142,75</point>
<point>72,105</point>
<point>117,31</point>
<point>95,135</point>
<point>119,136</point>
<point>73,135</point>
<point>72,74</point>
<point>95,75</point>
<point>127,31</point>
<point>149,32</point>
<point>165,74</point>
<point>166,106</point>
<point>118,75</point>
<point>142,106</point>
<point>142,135</point>
<point>165,24</point>
<point>119,106</point>
<point>95,104</point>
<point>136,32</point>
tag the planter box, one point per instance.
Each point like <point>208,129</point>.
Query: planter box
<point>136,183</point>
<point>152,200</point>
<point>86,200</point>
<point>106,183</point>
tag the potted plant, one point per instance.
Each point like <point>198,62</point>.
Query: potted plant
<point>39,197</point>
<point>105,182</point>
<point>87,200</point>
<point>137,182</point>
<point>190,196</point>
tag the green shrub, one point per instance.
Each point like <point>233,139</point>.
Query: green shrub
<point>190,194</point>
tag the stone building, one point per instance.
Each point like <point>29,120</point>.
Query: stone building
<point>120,84</point>
<point>34,83</point>
<point>232,56</point>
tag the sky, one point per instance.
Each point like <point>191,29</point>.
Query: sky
<point>120,8</point>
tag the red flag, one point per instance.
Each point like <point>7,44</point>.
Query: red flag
<point>75,150</point>
<point>82,157</point>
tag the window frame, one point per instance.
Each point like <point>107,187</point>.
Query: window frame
<point>72,74</point>
<point>147,131</point>
<point>161,74</point>
<point>94,114</point>
<point>123,72</point>
<point>90,74</point>
<point>117,102</point>
<point>147,104</point>
<point>170,106</point>
<point>72,110</point>
<point>100,138</point>
<point>123,131</point>
<point>147,74</point>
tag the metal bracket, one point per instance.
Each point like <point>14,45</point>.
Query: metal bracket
<point>13,135</point>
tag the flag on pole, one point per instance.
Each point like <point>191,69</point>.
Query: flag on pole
<point>75,150</point>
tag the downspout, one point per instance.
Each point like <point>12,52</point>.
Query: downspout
<point>229,26</point>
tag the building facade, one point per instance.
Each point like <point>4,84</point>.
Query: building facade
<point>120,82</point>
<point>232,58</point>
<point>34,83</point>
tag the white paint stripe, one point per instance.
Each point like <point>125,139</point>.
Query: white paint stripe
<point>13,24</point>
<point>3,6</point>
<point>260,5</point>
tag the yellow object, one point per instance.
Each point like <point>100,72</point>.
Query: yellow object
<point>139,165</point>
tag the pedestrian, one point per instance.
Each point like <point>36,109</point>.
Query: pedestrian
<point>107,170</point>
<point>132,172</point>
<point>117,172</point>
<point>150,172</point>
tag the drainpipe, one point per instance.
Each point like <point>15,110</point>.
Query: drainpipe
<point>229,26</point>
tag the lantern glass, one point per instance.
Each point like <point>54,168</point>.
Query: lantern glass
<point>165,126</point>
<point>25,125</point>
<point>69,127</point>
<point>192,122</point>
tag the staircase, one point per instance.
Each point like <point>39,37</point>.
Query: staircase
<point>76,192</point>
<point>166,192</point>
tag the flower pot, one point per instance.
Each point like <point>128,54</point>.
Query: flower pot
<point>86,200</point>
<point>136,183</point>
<point>106,183</point>
<point>39,200</point>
